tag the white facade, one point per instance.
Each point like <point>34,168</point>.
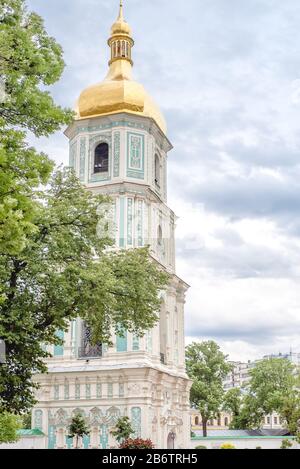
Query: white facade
<point>143,378</point>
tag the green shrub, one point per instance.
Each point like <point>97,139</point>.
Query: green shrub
<point>286,444</point>
<point>200,447</point>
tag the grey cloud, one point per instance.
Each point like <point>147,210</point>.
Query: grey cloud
<point>251,333</point>
<point>239,260</point>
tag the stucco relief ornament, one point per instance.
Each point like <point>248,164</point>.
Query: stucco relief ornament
<point>95,416</point>
<point>40,394</point>
<point>163,421</point>
<point>134,389</point>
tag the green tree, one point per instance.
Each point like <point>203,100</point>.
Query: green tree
<point>9,427</point>
<point>78,429</point>
<point>207,367</point>
<point>123,430</point>
<point>48,239</point>
<point>273,388</point>
<point>30,61</point>
<point>233,401</point>
<point>245,414</point>
<point>64,272</point>
<point>26,421</point>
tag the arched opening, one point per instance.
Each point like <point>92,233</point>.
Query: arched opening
<point>123,49</point>
<point>197,421</point>
<point>163,334</point>
<point>114,50</point>
<point>101,158</point>
<point>171,440</point>
<point>226,422</point>
<point>159,236</point>
<point>157,171</point>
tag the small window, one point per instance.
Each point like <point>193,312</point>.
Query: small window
<point>101,158</point>
<point>157,170</point>
<point>159,236</point>
<point>123,49</point>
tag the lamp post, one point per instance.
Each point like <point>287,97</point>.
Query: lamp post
<point>2,352</point>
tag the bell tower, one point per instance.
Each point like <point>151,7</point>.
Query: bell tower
<point>119,147</point>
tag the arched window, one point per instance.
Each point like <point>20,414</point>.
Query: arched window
<point>101,158</point>
<point>226,421</point>
<point>157,170</point>
<point>159,236</point>
<point>123,49</point>
<point>197,421</point>
<point>119,48</point>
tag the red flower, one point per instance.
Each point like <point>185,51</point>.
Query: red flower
<point>137,443</point>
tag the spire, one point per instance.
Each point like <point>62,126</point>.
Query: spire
<point>120,40</point>
<point>121,17</point>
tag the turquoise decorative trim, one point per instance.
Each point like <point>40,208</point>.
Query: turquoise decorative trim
<point>121,389</point>
<point>56,392</point>
<point>117,149</point>
<point>129,222</point>
<point>135,155</point>
<point>99,390</point>
<point>122,221</point>
<point>73,155</point>
<point>136,419</point>
<point>66,391</point>
<point>110,390</point>
<point>96,128</point>
<point>51,437</point>
<point>149,341</point>
<point>140,223</point>
<point>31,432</point>
<point>135,343</point>
<point>82,159</point>
<point>86,441</point>
<point>59,349</point>
<point>69,442</point>
<point>104,436</point>
<point>38,419</point>
<point>122,342</point>
<point>77,391</point>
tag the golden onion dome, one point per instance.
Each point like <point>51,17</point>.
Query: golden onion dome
<point>118,92</point>
<point>121,26</point>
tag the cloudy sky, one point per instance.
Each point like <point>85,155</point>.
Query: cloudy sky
<point>226,74</point>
